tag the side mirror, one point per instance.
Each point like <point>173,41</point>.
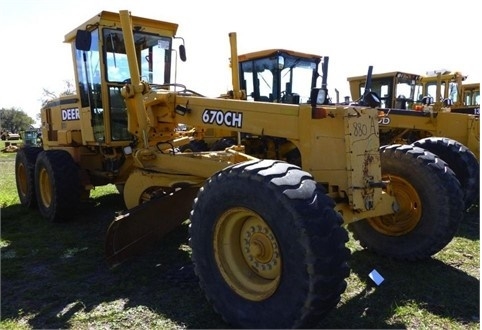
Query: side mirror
<point>83,40</point>
<point>318,96</point>
<point>182,49</point>
<point>182,53</point>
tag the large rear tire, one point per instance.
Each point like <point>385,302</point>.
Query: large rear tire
<point>25,175</point>
<point>461,160</point>
<point>268,247</point>
<point>57,187</point>
<point>430,202</point>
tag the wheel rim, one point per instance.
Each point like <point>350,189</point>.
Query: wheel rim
<point>409,214</point>
<point>45,188</point>
<point>247,254</point>
<point>22,179</point>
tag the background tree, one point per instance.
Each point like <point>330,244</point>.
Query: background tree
<point>14,120</point>
<point>49,95</point>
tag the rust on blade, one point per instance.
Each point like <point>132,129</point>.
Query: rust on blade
<point>140,227</point>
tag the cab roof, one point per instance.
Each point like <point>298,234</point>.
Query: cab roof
<point>274,52</point>
<point>111,19</point>
<point>388,75</point>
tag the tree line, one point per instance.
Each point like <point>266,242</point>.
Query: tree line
<point>14,120</point>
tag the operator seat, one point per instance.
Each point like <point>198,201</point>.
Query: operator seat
<point>401,102</point>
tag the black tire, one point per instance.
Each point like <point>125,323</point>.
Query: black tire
<point>222,144</point>
<point>57,185</point>
<point>25,175</point>
<point>461,160</point>
<point>274,207</point>
<point>194,146</point>
<point>430,202</point>
<point>294,157</point>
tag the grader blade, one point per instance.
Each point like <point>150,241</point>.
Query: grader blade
<point>140,227</point>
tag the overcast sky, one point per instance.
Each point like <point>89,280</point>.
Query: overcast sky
<point>414,36</point>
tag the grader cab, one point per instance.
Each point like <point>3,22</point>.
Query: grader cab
<point>471,96</point>
<point>261,229</point>
<point>448,88</point>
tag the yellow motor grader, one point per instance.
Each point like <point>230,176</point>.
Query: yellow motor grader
<point>263,232</point>
<point>471,96</point>
<point>429,111</point>
<point>438,93</point>
<point>448,89</point>
<point>417,106</point>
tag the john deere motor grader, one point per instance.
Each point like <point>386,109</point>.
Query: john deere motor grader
<point>418,106</point>
<point>422,106</point>
<point>429,111</point>
<point>267,239</point>
<point>449,88</point>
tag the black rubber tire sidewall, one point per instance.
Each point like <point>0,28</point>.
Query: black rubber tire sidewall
<point>442,204</point>
<point>461,160</point>
<point>64,176</point>
<point>26,158</point>
<point>303,228</point>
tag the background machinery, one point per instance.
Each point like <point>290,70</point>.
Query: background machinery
<point>31,138</point>
<point>262,230</point>
<point>417,106</point>
<point>429,111</point>
<point>448,87</point>
<point>448,127</point>
<point>471,96</point>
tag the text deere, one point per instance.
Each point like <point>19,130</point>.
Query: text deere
<point>70,114</point>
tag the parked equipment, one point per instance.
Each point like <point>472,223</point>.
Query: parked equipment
<point>471,96</point>
<point>262,231</point>
<point>30,138</point>
<point>416,107</point>
<point>429,112</point>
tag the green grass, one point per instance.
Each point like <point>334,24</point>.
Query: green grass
<point>8,189</point>
<point>55,276</point>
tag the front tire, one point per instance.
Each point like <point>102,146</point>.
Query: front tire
<point>57,187</point>
<point>25,175</point>
<point>430,206</point>
<point>267,246</point>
